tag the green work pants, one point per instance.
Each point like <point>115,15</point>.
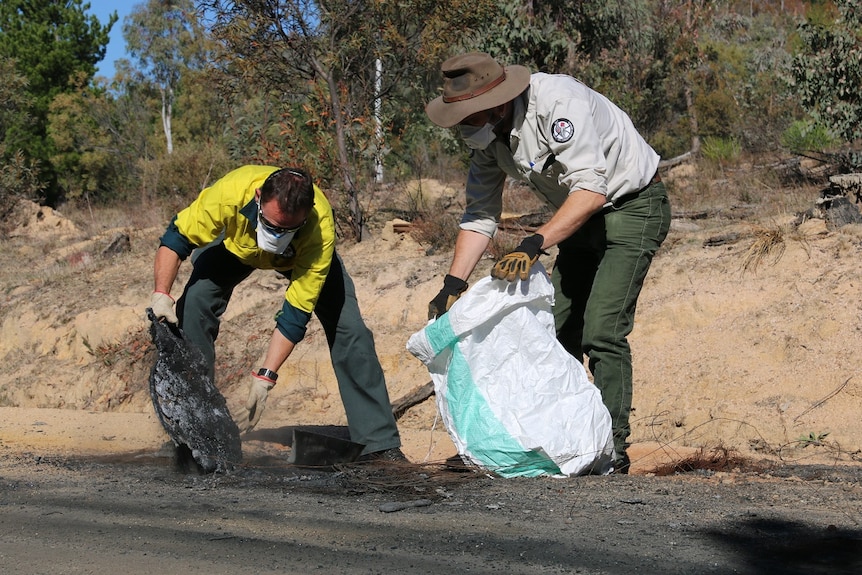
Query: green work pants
<point>597,277</point>
<point>351,345</point>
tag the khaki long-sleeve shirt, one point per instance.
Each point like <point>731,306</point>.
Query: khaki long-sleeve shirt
<point>565,137</point>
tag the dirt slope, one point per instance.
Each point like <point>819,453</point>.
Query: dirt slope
<point>736,346</point>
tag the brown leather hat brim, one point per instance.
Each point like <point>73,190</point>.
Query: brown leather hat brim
<point>448,115</point>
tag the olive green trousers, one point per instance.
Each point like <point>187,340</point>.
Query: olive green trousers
<point>597,277</point>
<point>351,344</point>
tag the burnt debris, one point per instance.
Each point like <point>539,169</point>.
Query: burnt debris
<point>187,402</point>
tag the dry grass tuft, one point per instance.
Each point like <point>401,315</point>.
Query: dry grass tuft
<point>518,199</point>
<point>407,479</point>
<point>436,230</point>
<point>134,215</point>
<point>716,459</point>
<point>768,245</point>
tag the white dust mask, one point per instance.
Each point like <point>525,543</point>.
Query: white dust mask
<point>477,138</point>
<point>273,243</point>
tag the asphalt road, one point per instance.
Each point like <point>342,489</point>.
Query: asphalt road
<point>141,515</point>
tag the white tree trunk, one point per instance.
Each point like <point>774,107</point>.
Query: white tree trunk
<point>167,105</point>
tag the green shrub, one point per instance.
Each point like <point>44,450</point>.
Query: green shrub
<point>721,150</point>
<point>182,175</point>
<point>804,136</point>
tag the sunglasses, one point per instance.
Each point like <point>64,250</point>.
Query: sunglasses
<point>269,226</point>
<point>274,229</point>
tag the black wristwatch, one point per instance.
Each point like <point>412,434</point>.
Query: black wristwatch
<point>267,373</point>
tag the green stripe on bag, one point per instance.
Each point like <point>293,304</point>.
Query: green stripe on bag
<point>487,439</point>
<point>440,334</point>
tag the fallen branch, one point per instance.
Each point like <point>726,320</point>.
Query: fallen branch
<point>665,164</point>
<point>723,239</point>
<point>418,395</point>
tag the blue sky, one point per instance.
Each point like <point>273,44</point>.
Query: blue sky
<point>102,10</point>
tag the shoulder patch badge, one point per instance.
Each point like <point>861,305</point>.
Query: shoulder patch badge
<point>562,130</point>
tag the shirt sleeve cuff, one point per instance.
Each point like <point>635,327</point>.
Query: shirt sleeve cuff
<point>176,241</point>
<point>292,322</point>
<point>486,227</point>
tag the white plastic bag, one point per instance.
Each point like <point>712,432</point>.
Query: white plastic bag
<point>513,400</point>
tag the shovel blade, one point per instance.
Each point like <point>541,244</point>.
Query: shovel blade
<point>318,450</point>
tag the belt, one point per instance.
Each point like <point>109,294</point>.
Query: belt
<point>655,179</point>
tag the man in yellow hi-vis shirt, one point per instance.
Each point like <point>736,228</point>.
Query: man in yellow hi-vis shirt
<point>262,217</point>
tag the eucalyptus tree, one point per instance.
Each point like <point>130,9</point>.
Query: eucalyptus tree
<point>827,72</point>
<point>618,48</point>
<point>329,64</point>
<point>166,39</point>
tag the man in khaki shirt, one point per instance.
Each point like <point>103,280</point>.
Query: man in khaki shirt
<point>581,154</point>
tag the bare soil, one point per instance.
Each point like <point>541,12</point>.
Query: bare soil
<point>746,442</point>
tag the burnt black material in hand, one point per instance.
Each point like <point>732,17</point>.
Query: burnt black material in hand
<point>187,402</point>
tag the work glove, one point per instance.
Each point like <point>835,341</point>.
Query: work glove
<point>452,289</point>
<point>163,307</point>
<point>257,392</point>
<point>517,263</point>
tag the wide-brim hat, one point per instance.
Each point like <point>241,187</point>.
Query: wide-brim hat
<point>474,82</point>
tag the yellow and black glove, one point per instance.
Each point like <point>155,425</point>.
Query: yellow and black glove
<point>517,263</point>
<point>452,289</point>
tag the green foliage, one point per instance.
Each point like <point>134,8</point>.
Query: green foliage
<point>168,41</point>
<point>179,177</point>
<point>663,63</point>
<point>812,439</point>
<point>19,176</point>
<point>106,140</point>
<point>51,42</point>
<point>198,112</point>
<point>721,150</point>
<point>306,130</point>
<point>318,66</point>
<point>82,155</point>
<point>730,61</point>
<point>293,82</point>
<point>541,36</point>
<point>101,139</point>
<point>612,47</point>
<point>821,12</point>
<point>803,136</point>
<point>671,140</point>
<point>14,98</point>
<point>827,72</point>
<point>766,106</point>
<point>717,113</point>
<point>422,150</point>
<point>19,179</point>
<point>166,38</point>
